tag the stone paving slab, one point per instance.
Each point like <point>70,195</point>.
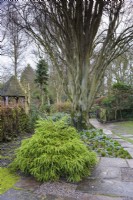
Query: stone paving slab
<point>106,173</point>
<point>127,174</point>
<point>127,135</point>
<point>19,195</point>
<point>115,137</point>
<point>26,195</point>
<point>127,145</point>
<point>130,162</point>
<point>107,131</point>
<point>107,187</point>
<point>113,162</point>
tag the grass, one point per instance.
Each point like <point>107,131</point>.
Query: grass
<point>7,180</point>
<point>124,127</point>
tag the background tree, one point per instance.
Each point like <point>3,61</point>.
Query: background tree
<point>81,38</point>
<point>55,87</point>
<point>120,70</point>
<point>42,78</point>
<point>15,40</point>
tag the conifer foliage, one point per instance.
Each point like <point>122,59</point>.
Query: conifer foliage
<point>55,151</point>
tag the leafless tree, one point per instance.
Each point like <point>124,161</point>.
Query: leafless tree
<point>81,37</point>
<point>14,40</point>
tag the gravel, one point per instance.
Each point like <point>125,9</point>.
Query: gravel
<point>60,189</point>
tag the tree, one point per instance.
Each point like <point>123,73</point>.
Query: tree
<point>55,86</point>
<point>28,77</point>
<point>14,39</point>
<point>81,38</point>
<point>42,77</point>
<point>120,70</point>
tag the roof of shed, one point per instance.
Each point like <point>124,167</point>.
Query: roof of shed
<point>12,88</point>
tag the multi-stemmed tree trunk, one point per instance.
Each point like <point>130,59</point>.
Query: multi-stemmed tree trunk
<point>81,37</point>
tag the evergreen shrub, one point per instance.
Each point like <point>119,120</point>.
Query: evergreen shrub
<point>13,121</point>
<point>55,151</point>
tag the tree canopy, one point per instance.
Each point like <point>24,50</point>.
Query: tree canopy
<point>81,39</point>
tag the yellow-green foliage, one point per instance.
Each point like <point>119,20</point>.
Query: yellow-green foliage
<point>53,152</point>
<point>7,180</point>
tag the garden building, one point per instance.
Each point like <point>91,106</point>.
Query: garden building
<point>12,94</point>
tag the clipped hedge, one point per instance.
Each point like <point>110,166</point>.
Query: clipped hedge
<point>53,152</point>
<point>12,122</point>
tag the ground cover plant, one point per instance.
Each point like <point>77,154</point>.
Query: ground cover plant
<point>103,145</point>
<point>55,151</point>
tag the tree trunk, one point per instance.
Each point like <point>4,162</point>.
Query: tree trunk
<point>80,119</point>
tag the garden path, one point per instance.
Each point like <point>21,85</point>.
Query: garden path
<point>112,179</point>
<point>120,131</point>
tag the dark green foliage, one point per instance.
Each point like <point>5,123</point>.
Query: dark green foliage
<point>117,106</point>
<point>42,74</point>
<point>121,86</point>
<point>103,145</point>
<point>108,101</point>
<point>53,152</point>
<point>13,122</point>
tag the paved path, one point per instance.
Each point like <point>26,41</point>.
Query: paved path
<point>112,179</point>
<point>117,132</point>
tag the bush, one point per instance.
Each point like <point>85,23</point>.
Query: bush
<point>121,86</point>
<point>61,107</point>
<point>53,152</point>
<point>12,122</point>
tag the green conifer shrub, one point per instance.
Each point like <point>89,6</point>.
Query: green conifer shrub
<point>55,151</point>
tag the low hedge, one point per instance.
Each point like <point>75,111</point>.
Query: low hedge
<point>12,122</point>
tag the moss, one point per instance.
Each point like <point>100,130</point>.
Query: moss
<point>4,157</point>
<point>7,180</point>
